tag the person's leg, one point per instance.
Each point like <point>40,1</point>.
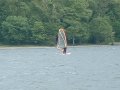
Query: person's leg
<point>64,50</point>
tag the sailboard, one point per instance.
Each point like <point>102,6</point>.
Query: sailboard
<point>62,41</point>
<point>68,53</point>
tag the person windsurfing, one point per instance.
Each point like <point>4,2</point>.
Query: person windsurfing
<point>62,41</point>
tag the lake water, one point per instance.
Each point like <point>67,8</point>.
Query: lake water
<point>86,68</point>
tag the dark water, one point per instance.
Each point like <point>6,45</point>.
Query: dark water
<point>86,68</point>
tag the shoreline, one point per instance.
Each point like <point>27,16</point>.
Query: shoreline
<point>37,46</point>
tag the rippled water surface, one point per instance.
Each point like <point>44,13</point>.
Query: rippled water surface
<point>86,68</point>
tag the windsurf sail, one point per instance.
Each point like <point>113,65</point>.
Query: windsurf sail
<point>62,42</point>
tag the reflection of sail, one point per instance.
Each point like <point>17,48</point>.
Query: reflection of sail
<point>62,43</point>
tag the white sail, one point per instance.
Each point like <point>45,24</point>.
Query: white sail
<point>62,42</point>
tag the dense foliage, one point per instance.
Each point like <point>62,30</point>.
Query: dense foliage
<point>38,21</point>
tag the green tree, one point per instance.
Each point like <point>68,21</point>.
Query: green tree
<point>38,21</point>
<point>38,32</point>
<point>116,29</point>
<point>114,14</point>
<point>101,31</point>
<point>16,30</point>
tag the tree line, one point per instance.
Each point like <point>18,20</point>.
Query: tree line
<point>37,21</point>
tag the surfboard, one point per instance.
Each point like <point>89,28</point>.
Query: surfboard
<point>68,53</point>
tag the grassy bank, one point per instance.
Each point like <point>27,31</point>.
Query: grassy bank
<point>8,45</point>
